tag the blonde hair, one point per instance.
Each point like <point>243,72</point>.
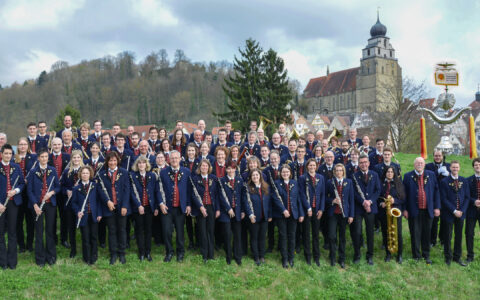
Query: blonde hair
<point>141,159</point>
<point>74,152</point>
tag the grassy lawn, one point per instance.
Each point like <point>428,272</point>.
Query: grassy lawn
<point>192,279</point>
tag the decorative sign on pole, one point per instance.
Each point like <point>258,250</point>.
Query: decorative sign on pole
<point>446,74</point>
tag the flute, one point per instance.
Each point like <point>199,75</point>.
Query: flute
<point>84,203</point>
<point>338,196</point>
<point>8,198</point>
<point>43,202</point>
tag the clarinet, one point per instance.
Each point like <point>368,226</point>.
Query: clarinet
<point>338,196</point>
<point>249,200</point>
<point>33,167</point>
<point>43,202</point>
<point>8,198</point>
<point>359,189</point>
<point>223,192</point>
<point>84,203</point>
<point>276,190</point>
<point>68,200</point>
<point>104,189</point>
<point>160,185</point>
<point>197,195</point>
<point>135,189</point>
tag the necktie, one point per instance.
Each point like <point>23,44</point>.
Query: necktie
<point>456,190</point>
<point>289,204</point>
<point>232,184</point>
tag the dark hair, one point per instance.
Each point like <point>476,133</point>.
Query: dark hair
<point>396,181</point>
<point>41,151</point>
<point>110,156</point>
<point>97,121</point>
<point>105,134</point>
<point>379,140</point>
<point>120,135</point>
<point>40,122</point>
<point>31,124</point>
<point>152,128</point>
<point>475,160</point>
<point>135,133</point>
<point>183,140</point>
<point>7,147</point>
<point>263,184</point>
<point>116,124</point>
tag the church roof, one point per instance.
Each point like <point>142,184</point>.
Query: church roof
<point>475,105</point>
<point>334,83</point>
<point>426,103</point>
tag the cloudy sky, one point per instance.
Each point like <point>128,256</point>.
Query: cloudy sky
<point>309,35</point>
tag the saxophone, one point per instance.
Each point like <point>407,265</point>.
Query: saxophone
<point>392,234</point>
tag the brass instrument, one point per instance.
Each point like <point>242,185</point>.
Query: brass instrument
<point>335,133</point>
<point>51,136</point>
<point>293,135</point>
<point>392,234</point>
<point>264,122</point>
<point>74,133</point>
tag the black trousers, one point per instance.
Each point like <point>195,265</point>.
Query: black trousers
<point>369,228</point>
<point>206,226</point>
<point>102,231</point>
<point>46,252</point>
<point>435,232</point>
<point>174,218</point>
<point>229,229</point>
<point>420,232</point>
<point>271,235</point>
<point>8,222</point>
<point>128,227</point>
<point>258,232</point>
<point>71,220</point>
<point>470,233</point>
<point>286,237</point>
<point>325,232</point>
<point>245,229</point>
<point>24,213</point>
<point>143,231</point>
<point>61,199</point>
<point>190,230</point>
<point>117,234</point>
<point>89,240</point>
<point>299,236</point>
<point>383,220</point>
<point>311,230</point>
<point>337,225</point>
<point>456,225</point>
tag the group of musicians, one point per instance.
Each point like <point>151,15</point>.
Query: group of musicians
<point>225,193</point>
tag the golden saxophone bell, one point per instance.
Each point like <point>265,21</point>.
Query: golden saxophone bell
<point>335,133</point>
<point>392,234</point>
<point>264,122</point>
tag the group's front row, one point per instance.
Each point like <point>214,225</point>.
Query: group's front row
<point>302,207</point>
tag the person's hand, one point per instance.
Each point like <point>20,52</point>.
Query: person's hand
<point>382,205</point>
<point>203,211</point>
<point>155,213</point>
<point>300,219</point>
<point>110,205</point>
<point>269,220</point>
<point>405,214</point>
<point>319,214</point>
<point>37,209</point>
<point>350,220</point>
<point>99,218</point>
<point>11,193</point>
<point>231,214</point>
<point>309,212</point>
<point>69,193</point>
<point>436,212</point>
<point>242,215</point>
<point>123,212</point>
<point>458,214</point>
<point>164,209</point>
<point>141,210</point>
<point>252,219</point>
<point>188,210</point>
<point>477,203</point>
<point>2,208</point>
<point>217,214</point>
<point>80,214</point>
<point>286,214</point>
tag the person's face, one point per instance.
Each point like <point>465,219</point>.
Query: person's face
<point>204,168</point>
<point>252,165</point>
<point>281,128</point>
<point>43,158</point>
<point>285,174</point>
<point>7,155</point>
<point>476,167</point>
<point>301,153</point>
<point>387,156</point>
<point>142,166</point>
<point>256,177</point>
<point>97,126</point>
<point>380,145</point>
<point>264,152</point>
<point>116,130</point>
<point>310,138</point>
<point>234,152</point>
<point>222,136</point>
<point>76,159</point>
<point>85,175</point>
<point>231,172</point>
<point>292,146</point>
<point>94,149</point>
<point>275,159</point>
<point>56,145</point>
<point>345,147</point>
<point>130,130</point>
<point>334,143</point>
<point>120,143</point>
<point>237,136</point>
<point>3,140</point>
<point>143,147</point>
<point>175,160</point>
<point>32,131</point>
<point>302,142</point>
<point>160,159</point>
<point>201,125</point>
<point>366,140</point>
<point>42,127</point>
<point>67,137</point>
<point>153,134</point>
<point>261,134</point>
<point>329,158</point>
<point>112,163</point>
<point>354,156</point>
<point>162,134</point>
<point>419,165</point>
<point>228,127</point>
<point>197,136</point>
<point>179,126</point>
<point>318,152</point>
<point>106,140</point>
<point>438,157</point>
<point>352,134</point>
<point>252,139</point>
<point>312,167</point>
<point>253,126</point>
<point>178,136</point>
<point>22,146</point>
<point>135,140</point>
<point>339,172</point>
<point>209,138</point>
<point>324,144</point>
<point>221,156</point>
<point>389,174</point>
<point>67,121</point>
<point>455,168</point>
<point>191,152</point>
<point>319,136</point>
<point>204,149</point>
<point>165,145</point>
<point>276,139</point>
<point>364,163</point>
<point>84,132</point>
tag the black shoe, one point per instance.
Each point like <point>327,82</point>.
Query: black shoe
<point>41,265</point>
<point>460,262</point>
<point>168,258</point>
<point>342,264</point>
<point>180,257</point>
<point>113,259</point>
<point>257,262</point>
<point>332,263</point>
<point>73,253</point>
<point>4,267</point>
<point>102,245</point>
<point>30,248</point>
<point>428,260</point>
<point>269,250</point>
<point>356,260</point>
<point>399,259</point>
<point>21,250</point>
<point>12,267</point>
<point>297,250</point>
<point>317,262</point>
<point>433,245</point>
<point>416,259</point>
<point>239,262</point>
<point>66,244</point>
<point>141,257</point>
<point>122,259</point>
<point>190,247</point>
<point>291,263</point>
<point>309,261</point>
<point>205,260</point>
<point>229,261</point>
<point>370,261</point>
<point>285,264</point>
<point>377,229</point>
<point>326,246</point>
<point>51,261</point>
<point>127,246</point>
<point>148,257</point>
<point>448,262</point>
<point>469,260</point>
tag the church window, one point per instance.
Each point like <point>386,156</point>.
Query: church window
<point>368,52</point>
<point>378,50</point>
<point>385,43</point>
<point>391,53</point>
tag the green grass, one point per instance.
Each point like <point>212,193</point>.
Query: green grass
<point>71,278</point>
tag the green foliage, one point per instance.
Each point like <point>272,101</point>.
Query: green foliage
<point>258,87</point>
<point>42,78</point>
<point>68,110</point>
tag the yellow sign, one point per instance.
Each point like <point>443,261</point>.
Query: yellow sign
<point>446,74</point>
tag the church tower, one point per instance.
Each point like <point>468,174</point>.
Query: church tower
<point>379,79</point>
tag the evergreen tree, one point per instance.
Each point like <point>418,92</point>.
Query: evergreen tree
<point>68,110</point>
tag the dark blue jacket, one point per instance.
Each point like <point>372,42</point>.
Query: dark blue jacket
<point>40,143</point>
<point>152,187</point>
<point>15,176</point>
<point>411,191</point>
<point>99,163</point>
<point>78,198</point>
<point>255,150</point>
<point>472,210</point>
<point>371,191</point>
<point>226,204</point>
<point>296,168</point>
<point>449,196</point>
<point>341,159</point>
<point>89,142</point>
<point>280,205</point>
<point>200,187</point>
<point>269,174</point>
<point>347,197</point>
<point>374,159</point>
<point>122,189</point>
<point>67,183</point>
<point>351,169</point>
<point>210,158</point>
<point>398,202</point>
<point>254,206</point>
<point>214,146</point>
<point>282,149</point>
<point>186,163</point>
<point>380,168</point>
<point>126,159</point>
<point>316,191</point>
<point>184,186</point>
<point>65,161</point>
<point>358,142</point>
<point>323,170</point>
<point>35,184</point>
